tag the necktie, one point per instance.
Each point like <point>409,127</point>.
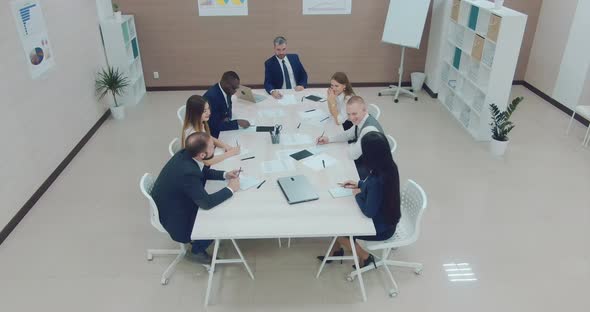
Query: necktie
<point>229,106</point>
<point>287,78</point>
<point>356,133</point>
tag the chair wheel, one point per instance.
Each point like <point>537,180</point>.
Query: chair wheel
<point>350,278</point>
<point>416,99</point>
<point>393,293</point>
<point>379,94</point>
<point>395,101</point>
<point>418,271</point>
<point>164,282</point>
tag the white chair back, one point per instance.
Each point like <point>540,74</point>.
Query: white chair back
<point>374,111</point>
<point>146,184</point>
<point>180,113</point>
<point>413,204</point>
<point>174,146</point>
<point>392,144</point>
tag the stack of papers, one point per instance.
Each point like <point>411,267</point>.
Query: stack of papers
<point>277,165</point>
<point>271,113</point>
<point>317,162</point>
<point>288,99</point>
<point>340,192</point>
<point>248,182</point>
<point>296,139</point>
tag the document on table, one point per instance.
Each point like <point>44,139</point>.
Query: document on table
<point>277,165</point>
<point>315,114</point>
<point>288,99</point>
<point>247,182</point>
<point>296,139</point>
<point>220,151</point>
<point>317,162</point>
<point>340,192</point>
<point>271,113</point>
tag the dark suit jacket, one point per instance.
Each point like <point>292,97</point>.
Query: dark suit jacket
<point>273,73</point>
<point>221,114</point>
<point>179,194</point>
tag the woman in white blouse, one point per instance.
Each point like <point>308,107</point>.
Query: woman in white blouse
<point>338,94</point>
<point>197,114</point>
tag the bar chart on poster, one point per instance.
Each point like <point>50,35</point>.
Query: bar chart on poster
<point>223,7</point>
<point>327,7</point>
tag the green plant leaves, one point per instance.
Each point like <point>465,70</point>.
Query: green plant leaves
<point>501,124</point>
<point>111,80</point>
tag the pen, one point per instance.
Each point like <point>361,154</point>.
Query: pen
<point>325,119</point>
<point>324,163</point>
<point>247,158</point>
<point>311,110</point>
<point>237,144</point>
<point>239,171</point>
<point>299,125</point>
<point>259,185</point>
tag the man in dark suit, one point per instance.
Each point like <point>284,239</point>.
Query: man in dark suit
<point>283,71</point>
<point>179,193</point>
<point>220,103</point>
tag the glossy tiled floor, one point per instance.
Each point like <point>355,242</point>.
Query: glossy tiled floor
<point>521,222</point>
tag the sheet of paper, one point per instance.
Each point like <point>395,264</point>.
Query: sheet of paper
<point>247,182</point>
<point>340,192</point>
<point>288,99</point>
<point>295,139</point>
<point>315,163</point>
<point>220,151</point>
<point>318,149</point>
<point>285,154</point>
<point>315,114</point>
<point>277,165</point>
<point>271,113</point>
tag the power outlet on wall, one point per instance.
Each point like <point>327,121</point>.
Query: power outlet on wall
<point>156,75</point>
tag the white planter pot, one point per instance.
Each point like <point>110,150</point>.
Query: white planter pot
<point>118,16</point>
<point>118,112</point>
<point>499,4</point>
<point>498,148</point>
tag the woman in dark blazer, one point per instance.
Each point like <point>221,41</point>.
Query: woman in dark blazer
<point>378,195</point>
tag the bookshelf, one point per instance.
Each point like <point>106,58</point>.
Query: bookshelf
<point>122,51</point>
<point>480,52</point>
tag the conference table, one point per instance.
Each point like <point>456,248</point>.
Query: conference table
<point>263,212</point>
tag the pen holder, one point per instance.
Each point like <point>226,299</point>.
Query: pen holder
<point>275,138</point>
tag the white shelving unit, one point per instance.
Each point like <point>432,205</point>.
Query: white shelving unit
<point>479,59</point>
<point>122,51</point>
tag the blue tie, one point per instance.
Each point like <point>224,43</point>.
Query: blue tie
<point>287,79</point>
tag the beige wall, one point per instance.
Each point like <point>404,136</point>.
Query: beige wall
<point>187,49</point>
<point>549,44</point>
<point>42,120</point>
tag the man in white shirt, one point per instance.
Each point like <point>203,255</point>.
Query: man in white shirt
<point>363,123</point>
<point>283,71</point>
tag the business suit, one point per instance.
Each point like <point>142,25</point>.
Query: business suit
<point>221,111</point>
<point>179,194</point>
<point>273,73</point>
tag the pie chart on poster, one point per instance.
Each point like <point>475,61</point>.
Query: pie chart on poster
<point>36,56</point>
<point>238,2</point>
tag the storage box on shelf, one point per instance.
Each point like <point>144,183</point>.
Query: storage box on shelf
<point>479,61</point>
<point>122,50</point>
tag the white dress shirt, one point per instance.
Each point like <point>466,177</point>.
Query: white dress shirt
<point>341,104</point>
<point>289,70</point>
<point>224,95</point>
<point>354,149</point>
<point>201,165</point>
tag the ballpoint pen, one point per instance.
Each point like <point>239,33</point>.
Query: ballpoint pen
<point>239,171</point>
<point>311,110</point>
<point>259,185</point>
<point>324,163</point>
<point>299,125</point>
<point>247,158</point>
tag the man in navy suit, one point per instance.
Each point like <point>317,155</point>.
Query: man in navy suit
<point>179,193</point>
<point>283,71</point>
<point>220,103</point>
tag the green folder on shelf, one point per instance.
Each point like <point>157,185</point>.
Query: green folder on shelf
<point>473,17</point>
<point>457,58</point>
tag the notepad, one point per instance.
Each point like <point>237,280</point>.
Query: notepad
<point>340,192</point>
<point>287,99</point>
<point>247,182</point>
<point>317,162</point>
<point>301,155</point>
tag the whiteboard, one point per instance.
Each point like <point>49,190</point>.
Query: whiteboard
<point>405,22</point>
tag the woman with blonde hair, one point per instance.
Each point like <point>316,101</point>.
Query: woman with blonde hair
<point>196,116</point>
<point>338,94</point>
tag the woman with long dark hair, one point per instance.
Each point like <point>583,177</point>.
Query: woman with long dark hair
<point>196,119</point>
<point>378,195</point>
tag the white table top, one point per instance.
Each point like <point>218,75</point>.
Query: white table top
<point>264,212</point>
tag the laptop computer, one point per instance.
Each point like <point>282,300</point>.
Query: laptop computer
<point>297,189</point>
<point>246,94</point>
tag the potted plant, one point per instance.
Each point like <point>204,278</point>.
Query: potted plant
<point>115,82</point>
<point>117,12</point>
<point>501,126</point>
